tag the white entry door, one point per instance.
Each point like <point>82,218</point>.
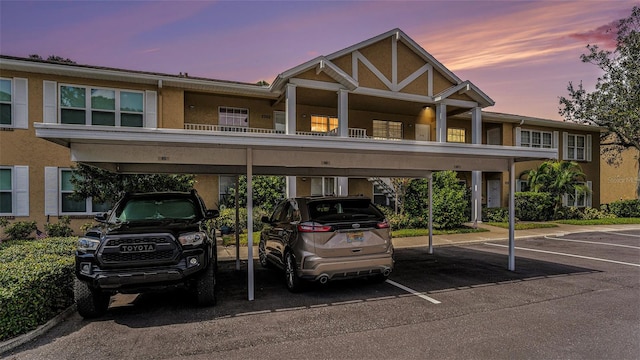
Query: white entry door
<point>493,193</point>
<point>423,132</point>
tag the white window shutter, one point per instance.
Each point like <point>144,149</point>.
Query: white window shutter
<point>518,185</point>
<point>517,134</point>
<point>554,140</point>
<point>565,145</point>
<point>589,197</point>
<point>151,109</point>
<point>50,102</point>
<point>21,181</point>
<point>20,103</point>
<point>51,190</point>
<point>588,149</point>
<point>565,200</point>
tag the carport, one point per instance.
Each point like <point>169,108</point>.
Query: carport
<point>146,150</point>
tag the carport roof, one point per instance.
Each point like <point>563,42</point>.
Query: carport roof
<point>142,150</point>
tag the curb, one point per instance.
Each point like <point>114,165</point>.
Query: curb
<point>13,343</point>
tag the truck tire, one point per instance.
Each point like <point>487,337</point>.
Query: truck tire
<point>91,302</point>
<point>206,286</point>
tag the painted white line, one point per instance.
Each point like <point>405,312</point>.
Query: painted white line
<point>592,242</point>
<point>616,233</point>
<point>409,290</point>
<point>570,255</point>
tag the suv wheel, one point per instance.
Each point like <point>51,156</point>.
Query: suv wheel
<point>291,278</point>
<point>91,302</point>
<point>206,286</point>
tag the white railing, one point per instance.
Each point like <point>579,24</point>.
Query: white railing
<point>353,132</point>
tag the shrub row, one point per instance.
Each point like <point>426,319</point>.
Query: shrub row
<point>36,282</point>
<point>623,208</point>
<point>227,219</point>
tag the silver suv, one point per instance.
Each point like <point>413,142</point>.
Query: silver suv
<point>327,238</point>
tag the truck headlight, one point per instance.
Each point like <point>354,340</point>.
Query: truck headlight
<point>88,244</point>
<point>194,238</point>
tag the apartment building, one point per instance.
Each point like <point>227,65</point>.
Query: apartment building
<point>337,124</point>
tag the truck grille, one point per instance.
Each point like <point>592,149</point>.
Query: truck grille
<point>113,254</point>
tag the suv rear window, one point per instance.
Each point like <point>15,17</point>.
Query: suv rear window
<point>343,209</point>
<point>154,209</point>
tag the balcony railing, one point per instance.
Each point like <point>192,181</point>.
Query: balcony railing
<point>353,132</point>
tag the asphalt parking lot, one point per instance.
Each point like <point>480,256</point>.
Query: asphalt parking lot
<point>571,297</point>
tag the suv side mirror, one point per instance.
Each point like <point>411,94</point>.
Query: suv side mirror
<point>101,217</point>
<point>266,219</point>
<point>211,214</point>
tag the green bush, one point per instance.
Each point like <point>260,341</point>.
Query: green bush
<point>534,206</point>
<point>61,229</point>
<point>228,218</point>
<point>36,282</point>
<point>594,214</point>
<point>495,214</point>
<point>573,213</point>
<point>624,208</point>
<point>20,229</point>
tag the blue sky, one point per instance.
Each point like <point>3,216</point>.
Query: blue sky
<point>521,53</point>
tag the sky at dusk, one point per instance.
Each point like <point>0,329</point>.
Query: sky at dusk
<point>520,53</point>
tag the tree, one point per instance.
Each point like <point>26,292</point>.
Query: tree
<point>556,178</point>
<point>615,102</point>
<point>449,200</point>
<point>53,58</point>
<point>106,186</point>
<point>268,191</point>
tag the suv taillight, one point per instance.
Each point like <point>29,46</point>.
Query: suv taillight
<point>383,225</point>
<point>313,227</point>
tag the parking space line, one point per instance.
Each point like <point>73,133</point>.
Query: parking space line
<point>565,254</point>
<point>623,234</point>
<point>591,242</point>
<point>411,291</point>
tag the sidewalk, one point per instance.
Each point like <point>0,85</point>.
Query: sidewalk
<point>226,253</point>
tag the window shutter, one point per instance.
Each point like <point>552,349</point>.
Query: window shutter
<point>565,145</point>
<point>50,102</point>
<point>518,185</point>
<point>588,148</point>
<point>565,200</point>
<point>22,190</point>
<point>51,190</point>
<point>589,197</point>
<point>517,133</point>
<point>151,109</point>
<point>554,140</point>
<point>20,103</point>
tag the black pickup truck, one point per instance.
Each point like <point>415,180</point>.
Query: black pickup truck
<point>147,241</point>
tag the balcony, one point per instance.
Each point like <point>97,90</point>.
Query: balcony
<point>353,132</point>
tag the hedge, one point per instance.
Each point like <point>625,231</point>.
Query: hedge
<point>624,208</point>
<point>36,282</point>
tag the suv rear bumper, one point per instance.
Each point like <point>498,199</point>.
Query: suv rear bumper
<point>314,267</point>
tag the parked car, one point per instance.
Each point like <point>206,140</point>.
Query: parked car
<point>147,241</point>
<point>327,238</point>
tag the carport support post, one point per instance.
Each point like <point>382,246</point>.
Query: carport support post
<point>430,213</point>
<point>250,223</point>
<point>512,214</point>
<point>237,226</point>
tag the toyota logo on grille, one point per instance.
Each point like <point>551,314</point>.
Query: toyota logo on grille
<point>355,226</point>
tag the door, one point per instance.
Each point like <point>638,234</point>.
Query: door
<point>493,137</point>
<point>423,132</point>
<point>493,193</point>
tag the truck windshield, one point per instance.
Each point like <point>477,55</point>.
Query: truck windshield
<point>154,209</point>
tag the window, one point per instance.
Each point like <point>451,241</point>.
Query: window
<point>226,184</point>
<point>383,129</point>
<point>456,135</point>
<point>99,106</point>
<point>323,186</point>
<point>536,139</point>
<point>233,116</point>
<point>323,124</point>
<point>14,190</point>
<point>280,121</point>
<point>68,205</point>
<point>579,198</point>
<point>5,101</point>
<point>575,147</point>
<point>522,185</point>
<point>6,191</point>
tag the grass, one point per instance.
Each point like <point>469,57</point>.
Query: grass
<point>524,226</point>
<point>425,232</point>
<point>231,239</point>
<point>614,221</point>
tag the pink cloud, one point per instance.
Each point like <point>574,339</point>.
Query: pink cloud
<point>604,35</point>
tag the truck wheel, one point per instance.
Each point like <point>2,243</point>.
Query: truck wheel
<point>206,286</point>
<point>91,302</point>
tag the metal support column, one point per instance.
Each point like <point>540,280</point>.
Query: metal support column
<point>237,226</point>
<point>430,213</point>
<point>250,223</point>
<point>512,214</point>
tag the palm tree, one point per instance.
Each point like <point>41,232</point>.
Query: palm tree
<point>557,178</point>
